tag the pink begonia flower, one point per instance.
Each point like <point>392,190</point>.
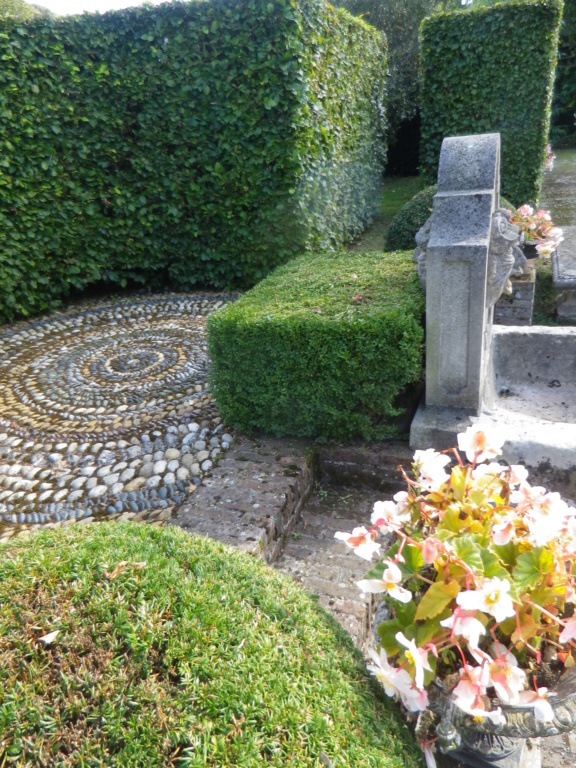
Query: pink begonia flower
<point>463,623</point>
<point>504,529</point>
<point>389,583</point>
<point>570,594</point>
<point>430,465</point>
<point>507,678</point>
<point>518,474</point>
<point>546,518</point>
<point>362,542</point>
<point>525,210</point>
<point>431,548</point>
<point>387,516</point>
<point>396,682</point>
<point>492,598</point>
<point>418,657</point>
<point>429,756</point>
<point>414,699</point>
<point>480,443</point>
<point>526,496</point>
<point>569,631</point>
<point>543,711</point>
<point>472,686</point>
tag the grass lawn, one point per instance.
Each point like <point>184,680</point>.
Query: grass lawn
<point>396,192</point>
<point>143,647</point>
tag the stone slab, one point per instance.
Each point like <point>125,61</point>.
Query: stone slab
<point>253,497</point>
<point>564,262</point>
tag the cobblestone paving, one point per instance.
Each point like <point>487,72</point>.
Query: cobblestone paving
<point>105,410</point>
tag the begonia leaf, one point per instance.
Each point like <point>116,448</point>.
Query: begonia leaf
<point>438,597</point>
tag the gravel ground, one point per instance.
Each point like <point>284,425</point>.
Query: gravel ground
<point>105,411</point>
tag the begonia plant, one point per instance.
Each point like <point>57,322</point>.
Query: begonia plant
<point>536,228</point>
<point>478,577</point>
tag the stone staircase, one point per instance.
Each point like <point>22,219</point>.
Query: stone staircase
<point>283,502</point>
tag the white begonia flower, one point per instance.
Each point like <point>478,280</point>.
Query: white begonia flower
<point>430,466</point>
<point>546,517</point>
<point>543,711</point>
<point>394,681</point>
<point>480,443</point>
<point>518,474</point>
<point>389,583</point>
<point>361,542</point>
<point>402,500</point>
<point>387,516</point>
<point>418,657</point>
<point>463,623</point>
<point>492,598</point>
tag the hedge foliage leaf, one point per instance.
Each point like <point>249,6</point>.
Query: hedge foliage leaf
<point>491,70</point>
<point>189,143</point>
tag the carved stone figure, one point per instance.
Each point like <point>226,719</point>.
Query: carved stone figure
<point>504,258</point>
<point>419,255</point>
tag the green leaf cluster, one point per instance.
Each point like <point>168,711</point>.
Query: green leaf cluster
<point>190,143</point>
<point>492,70</point>
<point>321,348</point>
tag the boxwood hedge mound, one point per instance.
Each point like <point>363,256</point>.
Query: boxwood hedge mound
<point>406,223</point>
<point>190,143</point>
<point>321,348</point>
<point>176,651</point>
<point>486,70</point>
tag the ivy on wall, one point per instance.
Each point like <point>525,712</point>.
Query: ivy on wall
<point>192,143</point>
<point>492,70</point>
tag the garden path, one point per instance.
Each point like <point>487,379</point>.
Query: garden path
<point>559,189</point>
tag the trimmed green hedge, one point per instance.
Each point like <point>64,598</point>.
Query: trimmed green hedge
<point>188,143</point>
<point>322,348</point>
<point>488,70</point>
<point>404,226</point>
<point>174,650</point>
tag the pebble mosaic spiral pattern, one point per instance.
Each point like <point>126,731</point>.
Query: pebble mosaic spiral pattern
<point>106,409</point>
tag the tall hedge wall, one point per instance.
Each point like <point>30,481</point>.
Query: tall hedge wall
<point>189,143</point>
<point>488,70</point>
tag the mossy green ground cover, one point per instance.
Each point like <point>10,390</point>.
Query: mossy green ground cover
<point>176,651</point>
<point>321,348</point>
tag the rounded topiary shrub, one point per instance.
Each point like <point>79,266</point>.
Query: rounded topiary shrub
<point>409,219</point>
<point>129,645</point>
<point>412,216</point>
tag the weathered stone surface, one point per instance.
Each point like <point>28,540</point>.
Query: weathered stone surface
<point>456,268</point>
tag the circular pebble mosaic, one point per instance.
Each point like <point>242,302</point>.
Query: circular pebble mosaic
<point>106,409</point>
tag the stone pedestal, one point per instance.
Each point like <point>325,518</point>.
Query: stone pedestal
<point>459,379</point>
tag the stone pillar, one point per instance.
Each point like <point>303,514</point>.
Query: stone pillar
<point>467,262</point>
<point>458,323</point>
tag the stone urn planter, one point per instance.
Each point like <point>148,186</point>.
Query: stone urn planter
<point>465,741</point>
<point>529,250</point>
